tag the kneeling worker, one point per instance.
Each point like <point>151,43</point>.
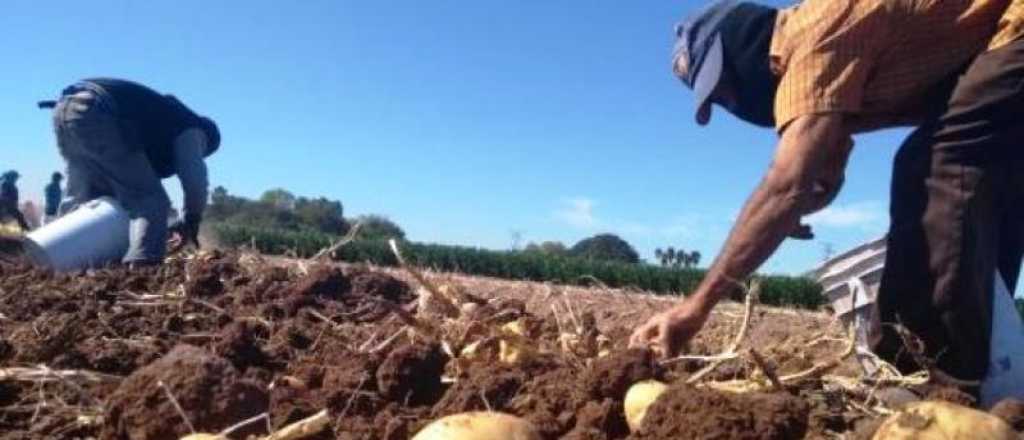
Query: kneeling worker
<point>120,139</point>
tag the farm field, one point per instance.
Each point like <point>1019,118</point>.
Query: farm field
<point>245,345</point>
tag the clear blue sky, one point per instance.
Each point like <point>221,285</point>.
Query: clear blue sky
<point>462,121</point>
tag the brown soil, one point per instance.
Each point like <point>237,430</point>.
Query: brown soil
<point>611,376</point>
<point>232,336</point>
<point>412,374</point>
<point>686,412</point>
<point>208,389</point>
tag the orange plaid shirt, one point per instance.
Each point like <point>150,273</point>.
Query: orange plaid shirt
<point>874,58</point>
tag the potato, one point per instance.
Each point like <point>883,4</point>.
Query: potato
<point>934,420</point>
<point>639,397</point>
<point>203,436</point>
<point>10,230</point>
<point>479,426</point>
<point>514,347</point>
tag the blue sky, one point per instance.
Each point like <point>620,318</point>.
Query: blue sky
<point>465,122</point>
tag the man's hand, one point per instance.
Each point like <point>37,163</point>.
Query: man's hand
<point>667,332</point>
<point>187,230</point>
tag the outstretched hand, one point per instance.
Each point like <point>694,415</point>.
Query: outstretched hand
<point>185,232</point>
<point>668,332</point>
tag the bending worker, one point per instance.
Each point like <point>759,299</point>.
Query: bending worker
<point>54,194</point>
<point>120,139</point>
<point>9,199</point>
<point>824,70</point>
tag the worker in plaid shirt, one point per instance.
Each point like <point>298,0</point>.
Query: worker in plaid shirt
<point>823,70</point>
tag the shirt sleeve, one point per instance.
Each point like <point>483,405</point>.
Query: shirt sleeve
<point>189,147</point>
<point>827,67</point>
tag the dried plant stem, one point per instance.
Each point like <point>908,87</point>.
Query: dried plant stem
<point>44,374</point>
<point>820,368</point>
<point>348,238</point>
<point>768,369</point>
<point>303,428</point>
<point>177,406</point>
<point>730,353</point>
<point>387,342</point>
<point>352,398</point>
<point>450,309</point>
<point>408,318</point>
<point>227,431</point>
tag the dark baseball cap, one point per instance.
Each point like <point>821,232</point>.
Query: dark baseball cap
<point>700,48</point>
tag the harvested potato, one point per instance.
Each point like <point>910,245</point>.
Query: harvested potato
<point>640,397</point>
<point>10,229</point>
<point>933,420</point>
<point>514,346</point>
<point>479,426</point>
<point>202,436</point>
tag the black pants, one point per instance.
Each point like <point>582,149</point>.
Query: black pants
<point>10,209</point>
<point>957,208</point>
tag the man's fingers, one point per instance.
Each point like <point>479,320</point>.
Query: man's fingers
<point>643,336</point>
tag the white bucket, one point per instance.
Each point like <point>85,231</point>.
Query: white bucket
<point>1006,358</point>
<point>94,235</point>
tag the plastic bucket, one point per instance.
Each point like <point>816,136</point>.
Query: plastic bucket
<point>1006,357</point>
<point>94,235</point>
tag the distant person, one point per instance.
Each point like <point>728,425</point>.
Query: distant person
<point>9,199</point>
<point>120,139</point>
<point>54,193</point>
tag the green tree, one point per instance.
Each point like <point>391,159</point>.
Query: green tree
<point>605,247</point>
<point>279,198</point>
<point>378,227</point>
<point>671,257</point>
<point>324,215</point>
<point>224,205</point>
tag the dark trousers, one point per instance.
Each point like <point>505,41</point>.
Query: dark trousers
<point>10,209</point>
<point>957,217</point>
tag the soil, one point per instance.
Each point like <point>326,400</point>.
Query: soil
<point>232,336</point>
<point>207,388</point>
<point>687,412</point>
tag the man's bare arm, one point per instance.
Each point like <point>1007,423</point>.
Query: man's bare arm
<point>812,150</point>
<point>805,155</point>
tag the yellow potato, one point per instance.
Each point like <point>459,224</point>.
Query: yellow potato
<point>479,426</point>
<point>943,421</point>
<point>514,347</point>
<point>515,328</point>
<point>10,229</point>
<point>202,436</point>
<point>640,397</point>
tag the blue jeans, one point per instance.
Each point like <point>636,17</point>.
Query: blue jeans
<point>101,162</point>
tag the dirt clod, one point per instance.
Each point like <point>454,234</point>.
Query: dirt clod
<point>323,281</point>
<point>373,284</point>
<point>413,373</point>
<point>206,387</point>
<point>611,376</point>
<point>686,412</point>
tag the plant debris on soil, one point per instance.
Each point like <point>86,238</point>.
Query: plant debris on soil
<point>211,340</point>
